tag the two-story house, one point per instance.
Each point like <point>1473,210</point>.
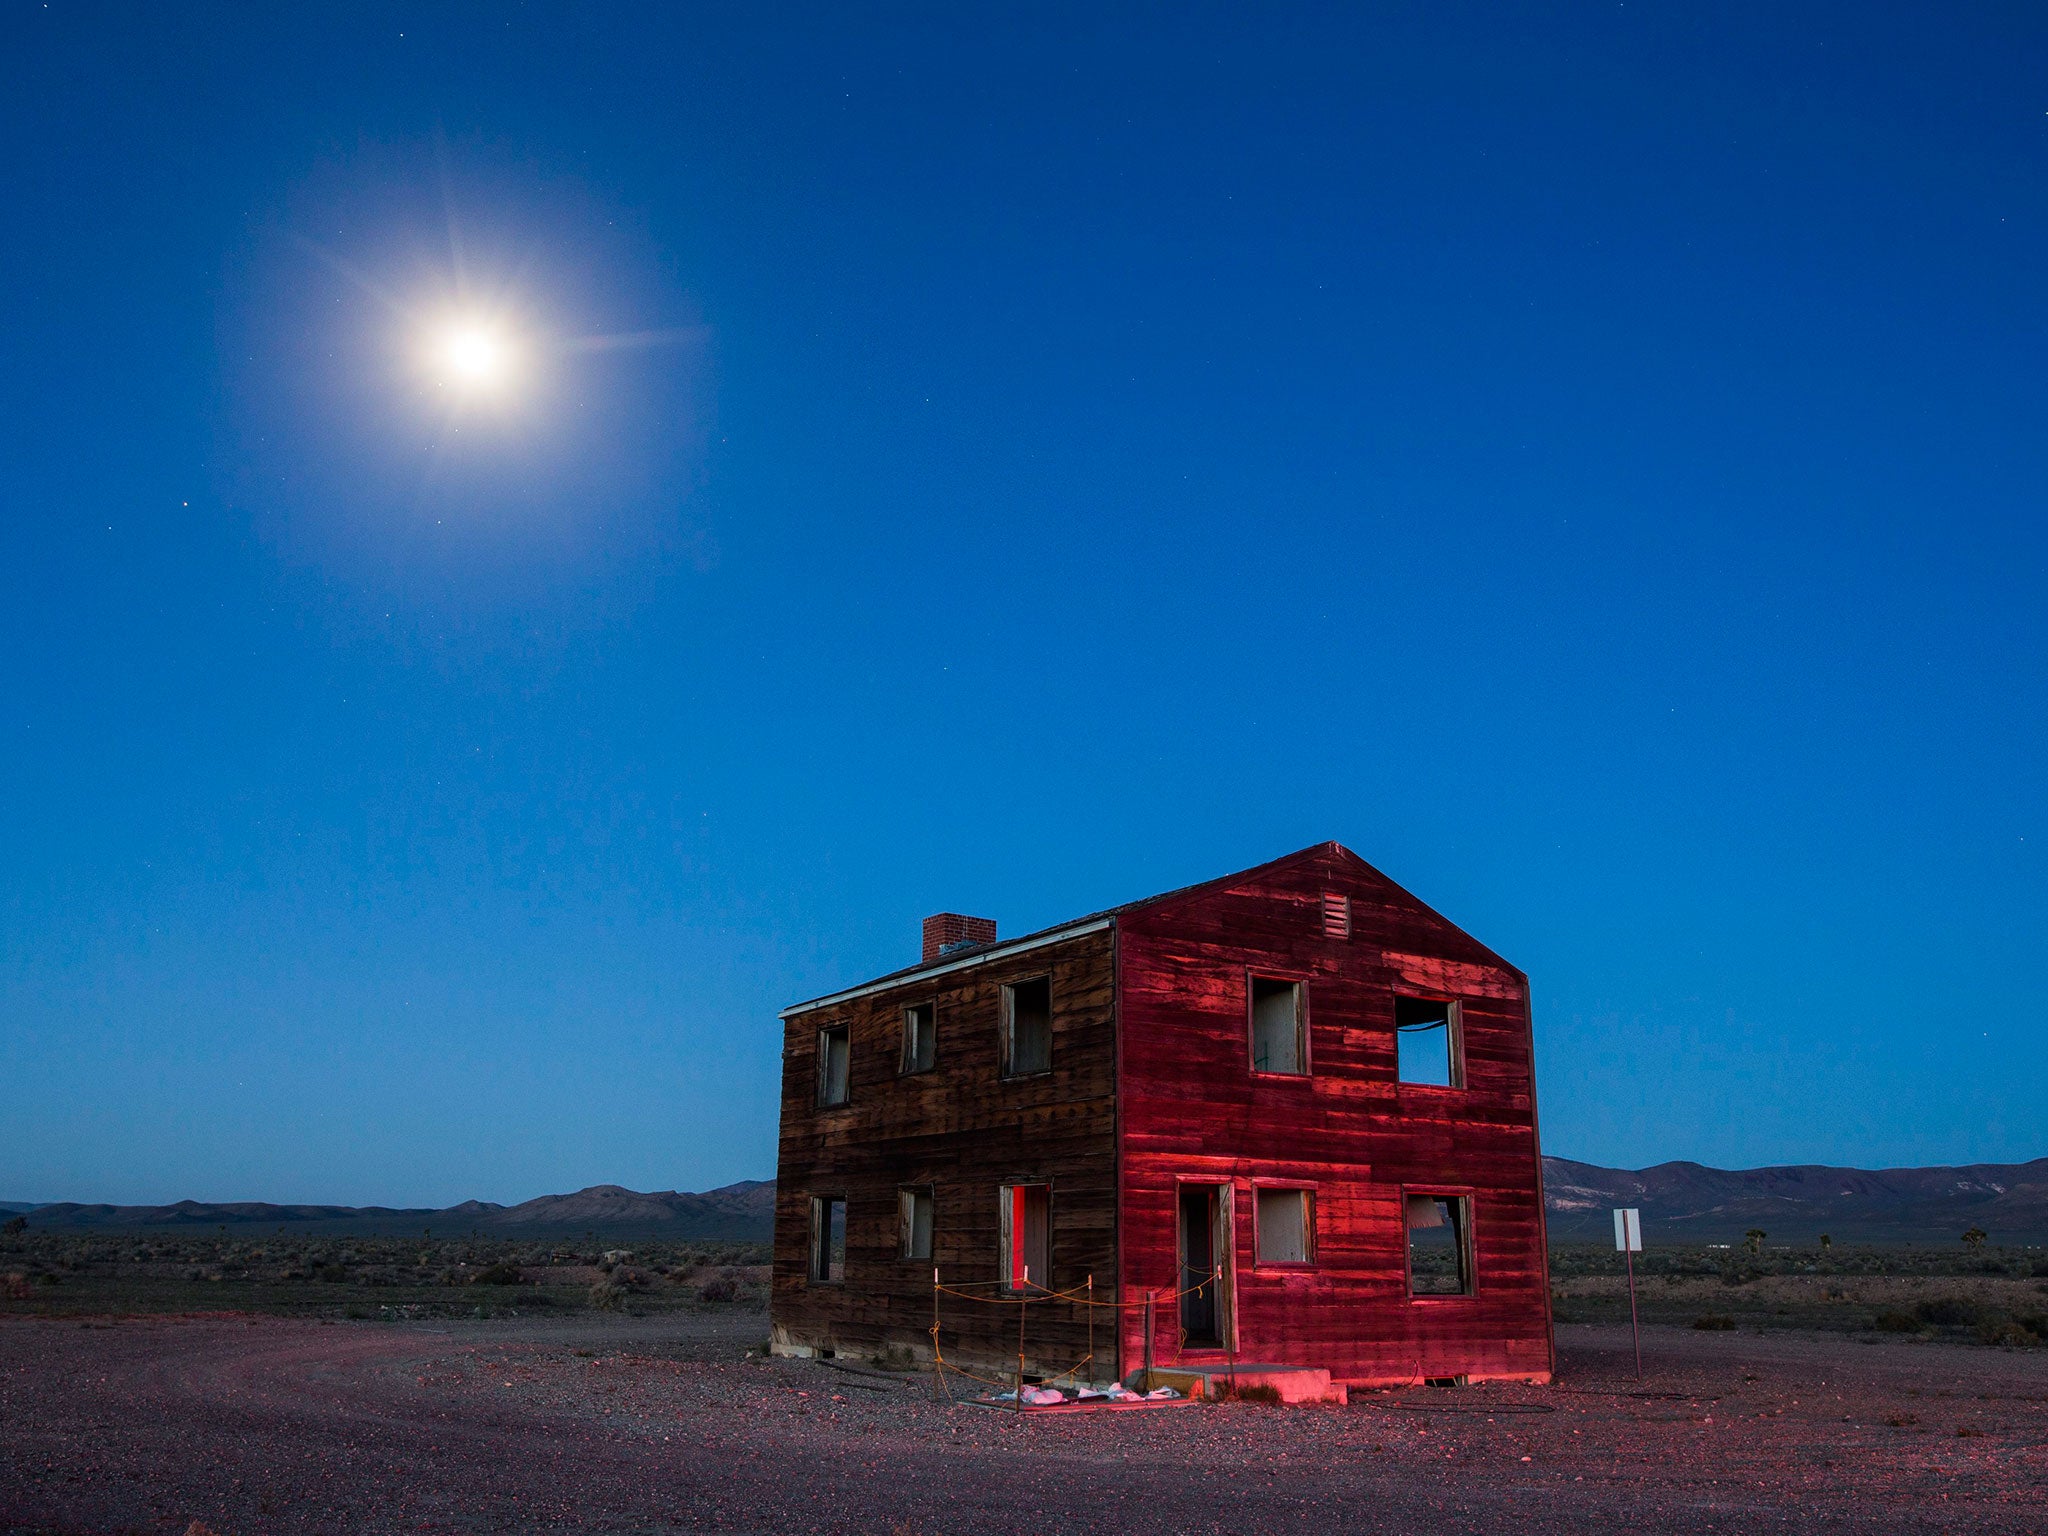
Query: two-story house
<point>1294,1105</point>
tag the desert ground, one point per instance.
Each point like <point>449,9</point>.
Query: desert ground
<point>340,1383</point>
<point>671,1421</point>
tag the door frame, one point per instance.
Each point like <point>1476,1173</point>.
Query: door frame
<point>1222,1243</point>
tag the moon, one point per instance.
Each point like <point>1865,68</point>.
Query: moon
<point>473,355</point>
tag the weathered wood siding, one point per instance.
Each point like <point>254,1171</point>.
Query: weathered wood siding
<point>965,1130</point>
<point>1192,1110</point>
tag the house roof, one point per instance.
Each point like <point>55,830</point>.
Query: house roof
<point>961,959</point>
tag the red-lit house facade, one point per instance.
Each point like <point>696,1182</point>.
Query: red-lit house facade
<point>1214,1112</point>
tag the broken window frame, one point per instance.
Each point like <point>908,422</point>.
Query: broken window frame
<point>906,1214</point>
<point>1262,1187</point>
<point>911,1065</point>
<point>1251,1023</point>
<point>1007,1026</point>
<point>844,1031</point>
<point>818,1267</point>
<point>1454,1040</point>
<point>1011,1262</point>
<point>1459,1199</point>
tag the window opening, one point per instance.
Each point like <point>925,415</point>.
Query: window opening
<point>1336,915</point>
<point>834,1044</point>
<point>1439,1245</point>
<point>920,1036</point>
<point>1429,1042</point>
<point>828,1239</point>
<point>1287,1226</point>
<point>1277,1008</point>
<point>917,1204</point>
<point>1027,1027</point>
<point>1202,1246</point>
<point>1027,1236</point>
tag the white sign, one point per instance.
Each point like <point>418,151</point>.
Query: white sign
<point>1628,1231</point>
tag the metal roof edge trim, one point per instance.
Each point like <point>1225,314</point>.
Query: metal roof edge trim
<point>907,978</point>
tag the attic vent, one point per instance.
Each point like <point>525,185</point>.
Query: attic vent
<point>1336,915</point>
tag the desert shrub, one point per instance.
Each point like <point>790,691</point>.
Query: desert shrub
<point>1713,1322</point>
<point>496,1274</point>
<point>1946,1311</point>
<point>1895,1322</point>
<point>719,1288</point>
<point>607,1295</point>
<point>1996,1327</point>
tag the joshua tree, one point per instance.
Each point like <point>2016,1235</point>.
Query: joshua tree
<point>1974,1237</point>
<point>1755,1238</point>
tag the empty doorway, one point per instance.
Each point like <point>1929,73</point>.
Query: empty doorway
<point>1204,1265</point>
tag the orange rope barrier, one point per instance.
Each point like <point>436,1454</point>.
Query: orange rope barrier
<point>1084,1297</point>
<point>1075,1298</point>
<point>948,1365</point>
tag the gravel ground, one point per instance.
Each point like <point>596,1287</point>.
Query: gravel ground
<point>260,1425</point>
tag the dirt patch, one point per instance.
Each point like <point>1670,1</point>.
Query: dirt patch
<point>665,1423</point>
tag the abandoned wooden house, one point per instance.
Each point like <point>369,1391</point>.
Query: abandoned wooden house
<point>1283,1117</point>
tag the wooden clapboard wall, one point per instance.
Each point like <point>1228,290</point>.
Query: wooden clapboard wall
<point>966,1131</point>
<point>1191,1109</point>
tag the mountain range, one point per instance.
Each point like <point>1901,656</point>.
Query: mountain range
<point>742,1212</point>
<point>1680,1202</point>
<point>1689,1201</point>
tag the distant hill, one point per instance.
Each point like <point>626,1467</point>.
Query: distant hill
<point>1690,1202</point>
<point>1680,1202</point>
<point>736,1212</point>
<point>743,1212</point>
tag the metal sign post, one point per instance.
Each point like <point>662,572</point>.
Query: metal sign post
<point>1628,1238</point>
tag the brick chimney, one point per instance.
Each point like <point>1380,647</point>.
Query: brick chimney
<point>945,932</point>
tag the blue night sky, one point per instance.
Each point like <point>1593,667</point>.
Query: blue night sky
<point>1589,463</point>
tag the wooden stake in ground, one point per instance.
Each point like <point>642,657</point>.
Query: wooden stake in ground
<point>1020,1341</point>
<point>938,1360</point>
<point>1148,1339</point>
